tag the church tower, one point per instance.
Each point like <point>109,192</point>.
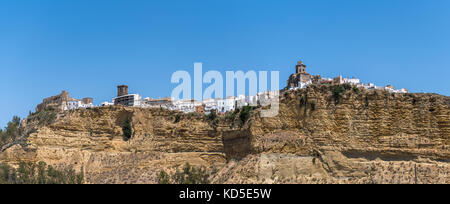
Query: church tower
<point>300,68</point>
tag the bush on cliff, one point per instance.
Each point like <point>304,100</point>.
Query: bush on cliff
<point>40,173</point>
<point>188,175</point>
<point>11,131</point>
<point>212,115</point>
<point>313,105</point>
<point>338,91</point>
<point>245,113</point>
<point>43,117</point>
<point>126,128</point>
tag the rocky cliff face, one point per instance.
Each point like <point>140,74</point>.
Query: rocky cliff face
<point>318,137</point>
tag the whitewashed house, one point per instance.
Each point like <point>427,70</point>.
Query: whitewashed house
<point>352,81</point>
<point>106,103</point>
<point>226,105</point>
<point>210,104</point>
<point>74,104</point>
<point>186,106</point>
<point>302,85</point>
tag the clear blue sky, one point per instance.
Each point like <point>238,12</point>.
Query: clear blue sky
<point>87,47</point>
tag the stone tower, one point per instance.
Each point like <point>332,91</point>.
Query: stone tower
<point>300,68</point>
<point>122,90</point>
<point>88,100</point>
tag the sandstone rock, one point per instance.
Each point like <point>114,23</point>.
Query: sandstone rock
<point>366,137</point>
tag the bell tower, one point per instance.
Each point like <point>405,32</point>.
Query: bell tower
<point>122,90</point>
<point>300,68</point>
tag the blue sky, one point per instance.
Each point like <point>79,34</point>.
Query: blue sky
<point>87,47</point>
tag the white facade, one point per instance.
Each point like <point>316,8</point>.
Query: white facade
<point>226,105</point>
<point>353,81</point>
<point>241,101</point>
<point>304,85</point>
<point>252,100</point>
<point>107,103</point>
<point>77,104</point>
<point>128,100</point>
<point>392,90</point>
<point>210,104</point>
<point>187,106</point>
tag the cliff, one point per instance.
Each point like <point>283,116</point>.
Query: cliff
<point>319,136</point>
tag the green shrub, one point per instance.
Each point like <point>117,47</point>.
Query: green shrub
<point>313,105</point>
<point>11,132</point>
<point>40,173</point>
<point>302,100</point>
<point>212,115</point>
<point>43,117</point>
<point>367,101</point>
<point>163,178</point>
<point>7,175</point>
<point>177,118</point>
<point>231,116</point>
<point>245,113</point>
<point>338,91</point>
<point>126,128</point>
<point>213,119</point>
<point>347,86</point>
<point>188,175</point>
<point>356,90</point>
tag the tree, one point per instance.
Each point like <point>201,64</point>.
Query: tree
<point>40,173</point>
<point>212,115</point>
<point>245,113</point>
<point>126,128</point>
<point>338,92</point>
<point>6,174</point>
<point>11,132</point>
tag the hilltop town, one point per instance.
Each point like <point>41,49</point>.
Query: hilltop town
<point>378,135</point>
<point>301,79</point>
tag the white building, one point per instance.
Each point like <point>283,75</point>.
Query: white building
<point>107,103</point>
<point>128,100</point>
<point>241,101</point>
<point>226,105</point>
<point>186,106</point>
<point>77,104</point>
<point>210,104</point>
<point>352,81</point>
<point>304,85</point>
<point>391,89</point>
<point>252,100</point>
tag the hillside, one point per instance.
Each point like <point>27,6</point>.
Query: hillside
<point>321,135</point>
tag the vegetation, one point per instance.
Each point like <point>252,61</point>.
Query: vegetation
<point>347,86</point>
<point>303,100</point>
<point>188,175</point>
<point>11,131</point>
<point>313,105</point>
<point>163,178</point>
<point>177,118</point>
<point>212,116</point>
<point>126,128</point>
<point>245,113</point>
<point>356,90</point>
<point>338,91</point>
<point>231,116</point>
<point>44,117</point>
<point>367,101</point>
<point>40,173</point>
